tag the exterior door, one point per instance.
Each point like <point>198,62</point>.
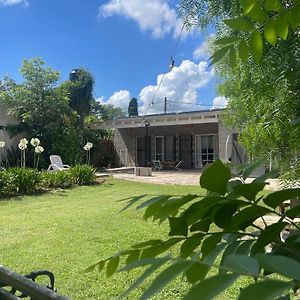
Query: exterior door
<point>186,151</point>
<point>206,149</point>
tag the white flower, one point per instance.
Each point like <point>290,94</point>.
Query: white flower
<point>22,146</point>
<point>39,149</point>
<point>88,146</point>
<point>35,142</point>
<point>23,143</point>
<point>2,144</point>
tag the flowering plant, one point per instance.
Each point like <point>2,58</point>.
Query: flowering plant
<point>35,142</point>
<point>23,146</point>
<point>37,151</point>
<point>88,148</point>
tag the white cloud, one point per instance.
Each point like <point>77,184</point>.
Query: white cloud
<point>14,2</point>
<point>155,16</point>
<point>220,102</point>
<point>118,99</point>
<point>203,50</point>
<point>181,87</point>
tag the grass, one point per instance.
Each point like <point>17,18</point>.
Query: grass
<point>68,230</point>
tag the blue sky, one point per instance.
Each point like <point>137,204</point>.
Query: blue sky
<point>126,44</point>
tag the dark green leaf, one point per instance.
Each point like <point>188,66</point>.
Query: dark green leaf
<point>90,268</point>
<point>244,247</point>
<point>212,255</point>
<point>219,54</point>
<point>270,33</point>
<point>266,290</point>
<point>280,264</point>
<point>243,51</point>
<point>178,226</point>
<point>133,256</point>
<point>152,210</point>
<point>112,266</point>
<point>230,249</point>
<point>224,214</point>
<point>203,225</point>
<point>242,264</point>
<point>247,216</point>
<point>239,25</point>
<point>190,244</point>
<point>248,5</point>
<point>264,177</point>
<point>153,201</point>
<point>248,169</point>
<point>273,5</point>
<point>275,199</point>
<point>196,272</point>
<point>293,16</point>
<point>210,243</point>
<point>268,235</point>
<point>101,265</point>
<point>282,27</point>
<point>144,276</point>
<point>165,277</point>
<point>210,287</point>
<point>249,190</point>
<point>293,212</point>
<point>227,40</point>
<point>133,201</point>
<point>215,178</point>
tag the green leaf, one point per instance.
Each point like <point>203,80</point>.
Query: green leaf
<point>224,214</point>
<point>248,5</point>
<point>244,247</point>
<point>264,177</point>
<point>133,256</point>
<point>133,201</point>
<point>210,287</point>
<point>227,40</point>
<point>242,264</point>
<point>247,216</point>
<point>239,25</point>
<point>232,58</point>
<point>147,244</point>
<point>256,45</point>
<point>257,14</point>
<point>280,264</point>
<point>243,51</point>
<point>196,272</point>
<point>282,27</point>
<point>293,16</point>
<point>90,268</point>
<point>112,266</point>
<point>144,276</point>
<point>215,178</point>
<point>230,249</point>
<point>249,190</point>
<point>210,243</point>
<point>153,201</point>
<point>165,277</point>
<point>268,235</point>
<point>273,5</point>
<point>248,169</point>
<point>190,244</point>
<point>293,212</point>
<point>178,226</point>
<point>203,225</point>
<point>219,54</point>
<point>275,199</point>
<point>266,290</point>
<point>270,33</point>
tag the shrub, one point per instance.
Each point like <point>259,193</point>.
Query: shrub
<point>83,174</point>
<point>60,179</point>
<point>24,181</point>
<point>6,184</point>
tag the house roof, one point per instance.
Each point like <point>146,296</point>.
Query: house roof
<point>191,117</point>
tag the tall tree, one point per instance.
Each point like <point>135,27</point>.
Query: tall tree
<point>133,108</point>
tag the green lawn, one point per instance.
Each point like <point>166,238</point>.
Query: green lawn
<point>66,231</point>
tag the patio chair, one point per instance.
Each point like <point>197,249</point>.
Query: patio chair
<point>157,165</point>
<point>178,165</point>
<point>57,164</point>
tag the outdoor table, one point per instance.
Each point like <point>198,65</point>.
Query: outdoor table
<point>168,164</point>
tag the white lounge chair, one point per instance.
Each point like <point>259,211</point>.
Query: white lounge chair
<point>157,165</point>
<point>57,164</point>
<point>178,165</point>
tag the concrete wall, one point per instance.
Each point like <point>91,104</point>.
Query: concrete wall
<point>125,138</point>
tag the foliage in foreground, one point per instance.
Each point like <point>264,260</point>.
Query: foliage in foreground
<point>245,246</point>
<point>22,181</point>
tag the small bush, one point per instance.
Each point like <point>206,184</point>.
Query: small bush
<point>59,179</point>
<point>83,174</point>
<point>6,184</point>
<point>24,181</point>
